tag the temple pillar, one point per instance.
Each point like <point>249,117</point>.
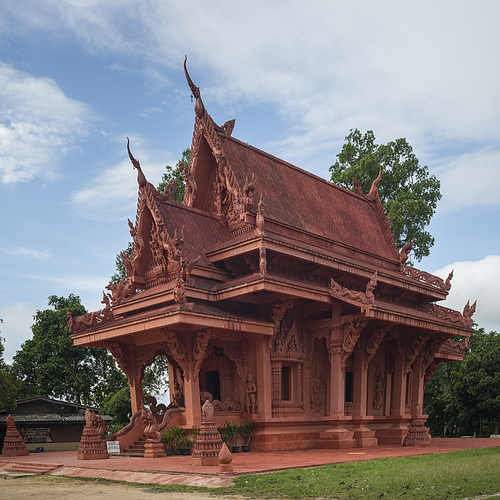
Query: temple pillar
<point>276,369</point>
<point>337,383</point>
<point>364,437</point>
<point>418,434</point>
<point>192,401</point>
<point>336,436</point>
<point>263,378</point>
<point>397,432</point>
<point>136,393</point>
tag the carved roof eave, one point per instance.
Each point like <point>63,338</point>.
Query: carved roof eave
<point>335,262</point>
<point>135,329</point>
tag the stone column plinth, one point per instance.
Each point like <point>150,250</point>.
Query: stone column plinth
<point>153,448</point>
<point>418,434</point>
<point>92,447</point>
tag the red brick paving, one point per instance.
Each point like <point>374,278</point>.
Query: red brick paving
<point>181,469</point>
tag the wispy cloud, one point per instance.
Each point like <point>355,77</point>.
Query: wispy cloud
<point>146,113</point>
<point>320,66</point>
<point>27,252</point>
<point>38,124</point>
<point>471,179</point>
<point>113,193</point>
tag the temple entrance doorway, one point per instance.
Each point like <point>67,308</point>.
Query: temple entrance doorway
<point>211,383</point>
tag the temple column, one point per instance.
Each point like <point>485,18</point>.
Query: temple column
<point>192,400</point>
<point>337,382</point>
<point>276,381</point>
<point>418,434</point>
<point>136,393</point>
<point>398,430</point>
<point>337,436</point>
<point>364,437</point>
<point>263,378</point>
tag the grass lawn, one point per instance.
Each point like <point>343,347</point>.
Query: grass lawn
<point>458,474</point>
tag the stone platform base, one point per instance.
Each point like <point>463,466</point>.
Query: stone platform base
<point>226,468</point>
<point>206,461</point>
<point>153,449</point>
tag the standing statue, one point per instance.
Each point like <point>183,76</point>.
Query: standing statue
<point>251,393</point>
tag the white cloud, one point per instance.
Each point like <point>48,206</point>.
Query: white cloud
<point>16,326</point>
<point>27,252</point>
<point>113,193</point>
<point>471,179</point>
<point>38,124</point>
<point>472,281</point>
<point>420,70</point>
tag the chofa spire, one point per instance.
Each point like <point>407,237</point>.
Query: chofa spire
<point>199,108</point>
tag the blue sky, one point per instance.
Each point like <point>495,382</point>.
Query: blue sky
<point>79,76</point>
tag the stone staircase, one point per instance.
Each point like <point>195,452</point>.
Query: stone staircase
<point>28,468</point>
<point>135,450</point>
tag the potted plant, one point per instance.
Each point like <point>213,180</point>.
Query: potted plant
<point>167,439</point>
<point>185,444</point>
<point>229,434</point>
<point>177,438</point>
<point>246,432</point>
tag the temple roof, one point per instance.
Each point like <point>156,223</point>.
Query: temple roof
<point>306,202</point>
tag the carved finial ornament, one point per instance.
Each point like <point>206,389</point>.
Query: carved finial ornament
<point>468,312</point>
<point>373,190</point>
<point>141,178</point>
<point>405,251</point>
<point>199,108</point>
<point>447,283</point>
<point>259,218</point>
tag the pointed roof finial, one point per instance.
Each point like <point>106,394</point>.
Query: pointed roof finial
<point>373,189</point>
<point>199,108</point>
<point>141,178</point>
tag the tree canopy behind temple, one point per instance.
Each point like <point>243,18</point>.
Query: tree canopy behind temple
<point>50,365</point>
<point>408,193</point>
<point>8,382</point>
<point>463,398</point>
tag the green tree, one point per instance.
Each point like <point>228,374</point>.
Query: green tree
<point>408,193</point>
<point>175,173</point>
<point>463,398</point>
<point>50,365</point>
<point>477,386</point>
<point>8,382</point>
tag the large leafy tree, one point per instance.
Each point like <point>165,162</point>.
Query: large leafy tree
<point>175,174</point>
<point>408,193</point>
<point>50,365</point>
<point>477,387</point>
<point>8,382</point>
<point>463,398</point>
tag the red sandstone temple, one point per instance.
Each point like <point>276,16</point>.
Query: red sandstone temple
<point>281,298</point>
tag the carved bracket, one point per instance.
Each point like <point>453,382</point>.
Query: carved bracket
<point>188,349</point>
<point>373,343</point>
<point>277,314</point>
<point>350,337</point>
